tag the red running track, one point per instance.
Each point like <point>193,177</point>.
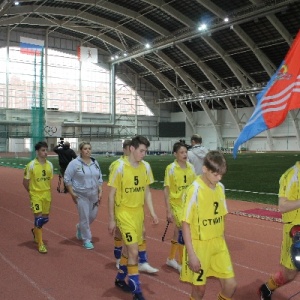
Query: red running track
<point>68,271</point>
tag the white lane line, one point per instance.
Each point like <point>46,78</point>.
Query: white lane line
<point>26,277</point>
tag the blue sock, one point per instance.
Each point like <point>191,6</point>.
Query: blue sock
<point>134,283</point>
<point>143,257</point>
<point>118,252</point>
<point>122,272</point>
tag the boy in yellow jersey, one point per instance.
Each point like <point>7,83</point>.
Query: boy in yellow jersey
<point>289,205</point>
<point>178,176</point>
<point>144,266</point>
<point>37,182</point>
<point>128,190</point>
<point>205,252</point>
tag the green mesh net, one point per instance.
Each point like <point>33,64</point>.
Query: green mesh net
<point>38,110</point>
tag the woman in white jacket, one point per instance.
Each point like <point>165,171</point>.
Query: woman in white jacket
<point>83,179</point>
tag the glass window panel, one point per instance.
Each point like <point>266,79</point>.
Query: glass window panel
<point>63,90</point>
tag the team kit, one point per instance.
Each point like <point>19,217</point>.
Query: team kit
<point>195,203</point>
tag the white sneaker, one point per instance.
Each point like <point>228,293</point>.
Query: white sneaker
<point>172,263</point>
<point>118,263</point>
<point>179,268</point>
<point>145,267</point>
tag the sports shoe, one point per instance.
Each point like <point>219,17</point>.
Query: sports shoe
<point>179,268</point>
<point>34,238</point>
<point>42,249</point>
<point>88,245</point>
<point>118,263</point>
<point>264,292</point>
<point>138,296</point>
<point>145,267</point>
<point>172,263</point>
<point>78,233</point>
<point>122,285</point>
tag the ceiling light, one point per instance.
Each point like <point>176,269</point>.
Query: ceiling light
<point>226,20</point>
<point>202,27</point>
<point>16,2</point>
<point>147,46</point>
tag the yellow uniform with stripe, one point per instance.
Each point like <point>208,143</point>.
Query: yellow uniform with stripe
<point>39,176</point>
<point>289,187</point>
<point>130,184</point>
<point>114,163</point>
<point>178,179</point>
<point>204,210</point>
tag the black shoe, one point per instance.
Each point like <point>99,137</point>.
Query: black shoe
<point>264,292</point>
<point>122,285</point>
<point>138,296</point>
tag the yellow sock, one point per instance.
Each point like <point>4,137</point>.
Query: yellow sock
<point>118,242</point>
<point>221,297</point>
<point>133,269</point>
<point>123,260</point>
<point>180,253</point>
<point>142,247</point>
<point>38,235</point>
<point>174,247</point>
<point>272,285</point>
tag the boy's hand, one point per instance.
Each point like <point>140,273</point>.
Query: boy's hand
<point>112,227</point>
<point>194,263</point>
<point>155,219</point>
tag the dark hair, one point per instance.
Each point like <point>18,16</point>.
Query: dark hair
<point>215,162</point>
<point>196,138</point>
<point>67,144</point>
<point>178,145</point>
<point>126,143</point>
<point>40,145</point>
<point>139,140</point>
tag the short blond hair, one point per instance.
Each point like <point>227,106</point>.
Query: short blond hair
<point>81,145</point>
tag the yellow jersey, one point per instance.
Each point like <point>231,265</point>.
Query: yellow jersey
<point>178,180</point>
<point>130,182</point>
<point>204,210</point>
<point>39,175</point>
<point>289,187</point>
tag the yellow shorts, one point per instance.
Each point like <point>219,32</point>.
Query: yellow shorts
<point>130,223</point>
<point>214,258</point>
<point>40,202</point>
<point>177,213</point>
<point>285,255</point>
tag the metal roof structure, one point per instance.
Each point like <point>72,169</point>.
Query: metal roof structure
<point>165,42</point>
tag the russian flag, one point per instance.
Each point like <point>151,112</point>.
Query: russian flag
<point>281,95</point>
<point>31,46</point>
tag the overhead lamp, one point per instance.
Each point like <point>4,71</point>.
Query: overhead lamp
<point>226,19</point>
<point>202,27</point>
<point>16,2</point>
<point>147,46</point>
<point>116,56</point>
<point>125,54</point>
<point>112,58</point>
